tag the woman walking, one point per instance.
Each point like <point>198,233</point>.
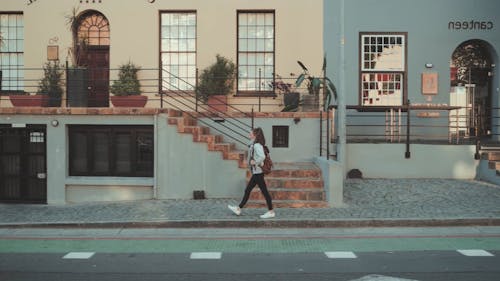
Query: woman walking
<point>256,159</point>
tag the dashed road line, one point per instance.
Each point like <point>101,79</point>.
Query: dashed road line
<point>79,255</point>
<point>475,253</point>
<point>206,256</point>
<point>340,255</point>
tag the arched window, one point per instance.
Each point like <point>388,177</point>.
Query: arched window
<point>93,29</point>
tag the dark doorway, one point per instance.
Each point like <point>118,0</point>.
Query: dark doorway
<point>93,41</point>
<point>23,173</point>
<point>471,87</point>
<point>96,60</point>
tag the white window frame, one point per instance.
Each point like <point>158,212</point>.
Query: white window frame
<point>383,81</point>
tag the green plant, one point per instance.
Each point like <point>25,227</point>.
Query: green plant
<point>127,84</point>
<point>316,84</point>
<point>217,79</point>
<point>51,83</point>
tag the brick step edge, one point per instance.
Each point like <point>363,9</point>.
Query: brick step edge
<point>294,183</point>
<point>305,174</point>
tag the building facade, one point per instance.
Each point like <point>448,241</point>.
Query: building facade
<point>417,84</point>
<point>85,149</point>
<point>435,63</point>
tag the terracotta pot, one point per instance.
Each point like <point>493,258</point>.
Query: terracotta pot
<point>129,101</point>
<point>29,100</point>
<point>217,103</point>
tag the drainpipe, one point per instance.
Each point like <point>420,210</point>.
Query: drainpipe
<point>342,112</point>
<point>155,168</point>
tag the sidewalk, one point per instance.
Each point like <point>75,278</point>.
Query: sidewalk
<point>376,202</point>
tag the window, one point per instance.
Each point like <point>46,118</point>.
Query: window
<point>12,52</point>
<point>383,69</point>
<point>178,50</point>
<point>280,136</point>
<point>94,30</point>
<point>255,52</point>
<point>111,151</point>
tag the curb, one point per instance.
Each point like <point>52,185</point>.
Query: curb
<point>266,224</point>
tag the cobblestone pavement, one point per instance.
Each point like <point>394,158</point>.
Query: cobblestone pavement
<point>368,202</point>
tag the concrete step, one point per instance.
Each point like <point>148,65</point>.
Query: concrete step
<point>492,156</point>
<point>284,182</point>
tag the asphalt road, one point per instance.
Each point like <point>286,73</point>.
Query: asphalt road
<point>421,265</point>
<point>380,254</point>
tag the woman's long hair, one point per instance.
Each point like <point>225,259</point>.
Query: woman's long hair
<point>259,136</point>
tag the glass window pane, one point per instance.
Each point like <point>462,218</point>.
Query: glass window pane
<point>192,59</point>
<point>191,19</point>
<point>101,153</point>
<point>165,18</point>
<point>145,153</point>
<point>78,154</point>
<point>260,45</point>
<point>242,45</point>
<point>243,19</point>
<point>191,32</point>
<point>269,19</point>
<point>123,155</point>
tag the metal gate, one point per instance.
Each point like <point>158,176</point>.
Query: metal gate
<point>23,164</point>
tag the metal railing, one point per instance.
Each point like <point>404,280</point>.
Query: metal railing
<point>422,124</point>
<point>81,90</point>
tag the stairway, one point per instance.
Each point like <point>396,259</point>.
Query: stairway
<point>187,124</point>
<point>493,157</point>
<point>292,185</point>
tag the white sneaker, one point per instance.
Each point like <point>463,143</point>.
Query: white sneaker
<point>268,215</point>
<point>236,210</point>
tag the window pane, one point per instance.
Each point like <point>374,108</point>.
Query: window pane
<point>123,157</point>
<point>101,153</point>
<point>145,155</point>
<point>78,154</point>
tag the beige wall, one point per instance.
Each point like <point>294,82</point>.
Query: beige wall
<point>135,29</point>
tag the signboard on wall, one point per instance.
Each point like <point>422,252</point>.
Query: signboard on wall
<point>429,83</point>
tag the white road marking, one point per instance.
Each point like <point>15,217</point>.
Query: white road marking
<point>340,255</point>
<point>475,253</point>
<point>206,256</point>
<point>376,277</point>
<point>79,255</point>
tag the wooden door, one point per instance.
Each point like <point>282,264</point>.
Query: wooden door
<point>96,59</point>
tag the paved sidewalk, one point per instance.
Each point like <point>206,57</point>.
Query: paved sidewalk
<point>374,202</point>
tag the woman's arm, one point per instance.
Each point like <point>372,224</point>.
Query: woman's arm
<point>258,154</point>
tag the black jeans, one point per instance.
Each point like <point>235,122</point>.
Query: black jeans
<point>257,179</point>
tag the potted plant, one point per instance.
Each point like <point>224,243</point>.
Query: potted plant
<point>216,82</point>
<point>291,99</point>
<point>315,87</point>
<point>51,83</point>
<point>22,98</point>
<point>49,91</point>
<point>127,89</point>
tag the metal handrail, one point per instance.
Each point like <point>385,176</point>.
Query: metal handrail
<point>183,95</point>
